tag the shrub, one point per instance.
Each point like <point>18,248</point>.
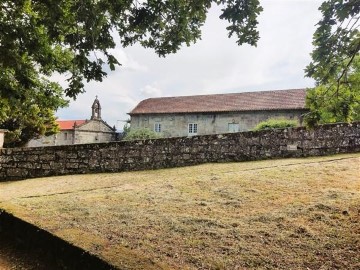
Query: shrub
<point>276,123</point>
<point>141,134</point>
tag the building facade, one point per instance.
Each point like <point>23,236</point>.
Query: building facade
<point>94,130</point>
<point>216,114</point>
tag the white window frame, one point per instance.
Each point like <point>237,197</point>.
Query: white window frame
<point>192,128</point>
<point>157,127</point>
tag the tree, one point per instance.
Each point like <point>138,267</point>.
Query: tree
<point>126,128</point>
<point>39,38</point>
<point>333,102</point>
<point>74,36</point>
<point>335,64</point>
<point>32,115</point>
<point>336,41</point>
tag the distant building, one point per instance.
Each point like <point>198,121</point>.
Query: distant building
<point>216,114</point>
<point>94,130</point>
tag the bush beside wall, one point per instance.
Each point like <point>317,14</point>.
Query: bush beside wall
<point>22,163</point>
<point>276,123</point>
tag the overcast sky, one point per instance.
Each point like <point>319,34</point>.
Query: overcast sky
<point>213,65</point>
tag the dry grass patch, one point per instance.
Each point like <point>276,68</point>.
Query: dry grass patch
<point>284,214</point>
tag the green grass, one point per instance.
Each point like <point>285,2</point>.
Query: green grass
<point>276,214</point>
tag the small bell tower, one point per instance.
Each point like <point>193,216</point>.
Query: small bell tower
<point>96,110</point>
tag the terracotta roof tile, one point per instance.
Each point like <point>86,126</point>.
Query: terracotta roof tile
<point>247,101</point>
<point>69,124</point>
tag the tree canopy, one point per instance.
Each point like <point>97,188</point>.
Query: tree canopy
<point>333,102</point>
<point>336,41</point>
<point>73,37</point>
<point>335,65</point>
<point>33,115</point>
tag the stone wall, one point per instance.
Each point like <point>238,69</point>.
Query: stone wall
<point>21,163</point>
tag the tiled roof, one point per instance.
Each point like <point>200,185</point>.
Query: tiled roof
<point>247,101</point>
<point>69,124</point>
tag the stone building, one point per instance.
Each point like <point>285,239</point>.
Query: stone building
<point>94,130</point>
<point>216,114</point>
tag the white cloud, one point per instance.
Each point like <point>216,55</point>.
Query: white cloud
<point>150,91</point>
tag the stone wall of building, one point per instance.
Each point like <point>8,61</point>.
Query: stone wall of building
<point>176,125</point>
<point>22,163</point>
<point>93,131</point>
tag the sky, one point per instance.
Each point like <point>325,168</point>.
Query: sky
<point>214,65</point>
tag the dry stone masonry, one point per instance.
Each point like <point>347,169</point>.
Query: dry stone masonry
<point>23,163</point>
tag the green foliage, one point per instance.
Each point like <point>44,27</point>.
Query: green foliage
<point>276,123</point>
<point>332,103</point>
<point>73,37</point>
<point>126,128</point>
<point>32,115</point>
<point>141,134</point>
<point>335,64</point>
<point>336,41</point>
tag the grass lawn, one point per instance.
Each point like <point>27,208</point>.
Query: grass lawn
<point>275,214</point>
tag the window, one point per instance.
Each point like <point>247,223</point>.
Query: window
<point>65,136</point>
<point>157,127</point>
<point>234,127</point>
<point>193,128</point>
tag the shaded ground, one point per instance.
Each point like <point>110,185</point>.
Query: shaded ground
<point>284,214</point>
<point>25,246</point>
<point>14,257</point>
